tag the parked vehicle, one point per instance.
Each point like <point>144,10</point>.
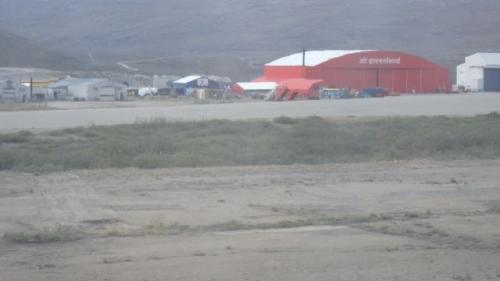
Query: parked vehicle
<point>148,91</point>
<point>375,92</point>
<point>334,93</point>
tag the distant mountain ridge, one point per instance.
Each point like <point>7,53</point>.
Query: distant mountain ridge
<point>20,52</point>
<point>444,31</point>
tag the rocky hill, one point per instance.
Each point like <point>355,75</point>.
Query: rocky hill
<point>20,52</point>
<point>444,31</point>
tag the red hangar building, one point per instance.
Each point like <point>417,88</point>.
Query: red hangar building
<point>397,72</point>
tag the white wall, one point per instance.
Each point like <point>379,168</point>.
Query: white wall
<point>470,76</point>
<point>160,81</point>
<point>107,94</point>
<point>462,75</point>
<point>87,92</point>
<point>79,92</point>
<point>474,60</point>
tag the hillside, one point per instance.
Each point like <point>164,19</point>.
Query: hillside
<point>444,31</point>
<point>19,52</point>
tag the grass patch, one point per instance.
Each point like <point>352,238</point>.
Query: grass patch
<point>63,233</point>
<point>158,227</point>
<point>155,227</point>
<point>282,141</point>
<point>493,207</point>
<point>301,222</point>
<point>285,120</point>
<point>59,233</point>
<point>19,137</point>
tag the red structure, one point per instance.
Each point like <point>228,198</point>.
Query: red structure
<point>298,89</point>
<point>395,71</point>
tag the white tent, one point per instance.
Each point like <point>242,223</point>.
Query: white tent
<point>257,86</point>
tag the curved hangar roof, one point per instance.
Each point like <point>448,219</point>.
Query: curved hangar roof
<point>313,58</point>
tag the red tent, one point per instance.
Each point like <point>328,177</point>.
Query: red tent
<point>298,89</point>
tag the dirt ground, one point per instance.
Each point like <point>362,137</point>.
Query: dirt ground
<point>414,220</point>
<point>64,105</point>
<point>109,113</point>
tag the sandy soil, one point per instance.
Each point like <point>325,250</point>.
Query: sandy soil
<point>411,105</point>
<point>432,221</point>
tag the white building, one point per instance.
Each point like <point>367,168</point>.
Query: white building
<point>7,91</point>
<point>11,91</point>
<point>162,81</point>
<point>87,89</point>
<point>480,72</point>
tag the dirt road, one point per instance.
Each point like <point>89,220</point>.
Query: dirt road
<point>451,105</point>
<point>413,220</point>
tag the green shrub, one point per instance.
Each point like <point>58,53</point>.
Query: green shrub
<point>7,159</point>
<point>284,141</point>
<point>59,233</point>
<point>285,120</point>
<point>19,137</point>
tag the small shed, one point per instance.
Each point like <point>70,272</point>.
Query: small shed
<point>480,72</point>
<point>194,82</point>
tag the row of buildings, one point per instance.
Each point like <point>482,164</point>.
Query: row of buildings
<point>99,89</point>
<point>297,76</point>
<point>77,89</point>
<point>301,75</point>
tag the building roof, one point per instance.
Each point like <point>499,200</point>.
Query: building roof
<point>484,59</point>
<point>187,79</point>
<point>313,58</point>
<point>258,86</point>
<point>76,82</point>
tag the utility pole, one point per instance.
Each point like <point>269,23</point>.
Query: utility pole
<point>304,57</point>
<point>31,88</point>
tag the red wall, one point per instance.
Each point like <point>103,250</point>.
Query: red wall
<point>284,72</point>
<point>405,73</point>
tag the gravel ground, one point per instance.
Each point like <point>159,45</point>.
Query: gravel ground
<point>410,105</point>
<point>428,221</point>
